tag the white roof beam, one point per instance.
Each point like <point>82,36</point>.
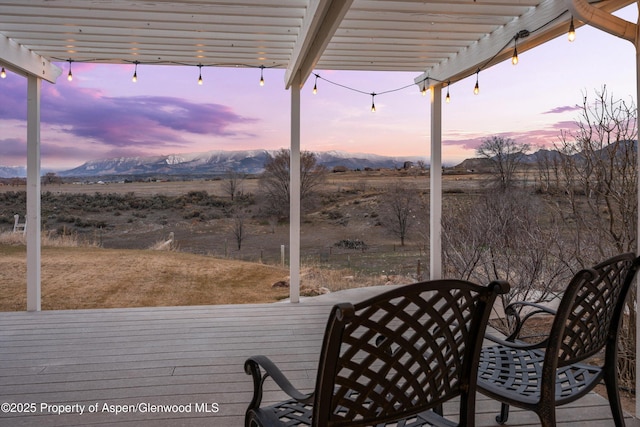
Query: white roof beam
<point>603,20</point>
<point>320,23</point>
<point>22,61</point>
<point>467,61</point>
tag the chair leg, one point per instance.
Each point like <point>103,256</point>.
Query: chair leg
<point>614,402</point>
<point>438,410</point>
<point>547,415</point>
<point>504,414</point>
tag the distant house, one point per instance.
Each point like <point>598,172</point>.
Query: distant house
<point>339,169</point>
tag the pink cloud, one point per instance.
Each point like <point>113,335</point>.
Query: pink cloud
<point>563,109</point>
<point>124,121</point>
<point>80,123</point>
<point>538,138</point>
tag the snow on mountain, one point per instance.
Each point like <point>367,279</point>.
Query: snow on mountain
<point>13,171</point>
<point>219,162</point>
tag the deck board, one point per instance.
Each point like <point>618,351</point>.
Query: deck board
<point>180,355</point>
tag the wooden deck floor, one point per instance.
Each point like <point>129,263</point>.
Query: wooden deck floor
<point>107,360</point>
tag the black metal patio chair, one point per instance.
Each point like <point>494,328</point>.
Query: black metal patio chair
<point>557,370</point>
<point>393,359</point>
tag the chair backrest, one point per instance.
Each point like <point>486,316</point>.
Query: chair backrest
<point>402,352</point>
<point>591,309</point>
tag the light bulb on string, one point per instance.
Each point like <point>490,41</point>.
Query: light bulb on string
<point>134,79</point>
<point>315,85</point>
<point>3,73</point>
<point>572,31</point>
<point>476,88</point>
<point>70,75</point>
<point>521,34</point>
<point>425,87</point>
<point>200,82</point>
<point>448,97</point>
<point>261,75</point>
<point>373,104</point>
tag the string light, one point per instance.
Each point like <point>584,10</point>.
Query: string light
<point>572,31</point>
<point>476,89</point>
<point>69,75</point>
<point>521,35</point>
<point>424,87</point>
<point>135,72</point>
<point>3,73</point>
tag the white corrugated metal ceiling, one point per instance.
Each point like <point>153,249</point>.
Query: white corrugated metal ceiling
<point>446,39</point>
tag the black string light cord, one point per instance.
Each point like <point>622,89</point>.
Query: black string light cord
<point>423,84</point>
<point>136,63</point>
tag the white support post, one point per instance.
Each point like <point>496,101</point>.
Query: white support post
<point>435,180</point>
<point>34,85</point>
<point>294,197</point>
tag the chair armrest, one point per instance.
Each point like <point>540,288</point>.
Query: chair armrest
<point>520,345</point>
<point>511,310</point>
<point>537,306</point>
<point>253,366</point>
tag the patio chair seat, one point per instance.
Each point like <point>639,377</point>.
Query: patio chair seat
<point>507,372</point>
<point>294,413</point>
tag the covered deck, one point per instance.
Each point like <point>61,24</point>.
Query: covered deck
<point>137,361</point>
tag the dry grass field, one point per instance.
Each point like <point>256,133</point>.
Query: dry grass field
<point>114,265</point>
<point>91,277</point>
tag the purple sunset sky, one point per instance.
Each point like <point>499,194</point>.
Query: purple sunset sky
<point>102,114</point>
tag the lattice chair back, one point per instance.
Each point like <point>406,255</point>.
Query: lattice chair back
<point>403,352</point>
<point>591,310</point>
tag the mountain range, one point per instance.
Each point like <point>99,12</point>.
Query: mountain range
<point>219,162</point>
<point>13,171</point>
<point>212,163</point>
<point>246,161</point>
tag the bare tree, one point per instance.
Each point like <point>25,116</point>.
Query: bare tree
<point>600,179</point>
<point>505,155</point>
<point>401,205</point>
<point>232,183</point>
<point>275,179</point>
<point>506,235</point>
<point>548,164</point>
<point>239,228</point>
<point>51,178</point>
